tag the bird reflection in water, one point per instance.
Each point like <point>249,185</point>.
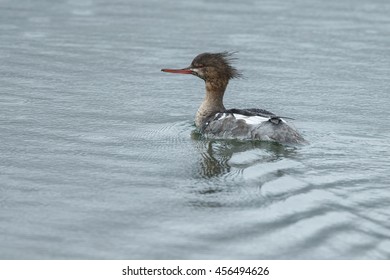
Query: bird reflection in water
<point>216,154</point>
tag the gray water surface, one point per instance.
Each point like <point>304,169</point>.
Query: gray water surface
<point>99,158</point>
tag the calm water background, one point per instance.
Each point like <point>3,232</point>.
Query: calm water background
<point>98,155</point>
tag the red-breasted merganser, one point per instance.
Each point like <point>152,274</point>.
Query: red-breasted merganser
<point>213,120</point>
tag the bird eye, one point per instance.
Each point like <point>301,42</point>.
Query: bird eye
<point>199,66</point>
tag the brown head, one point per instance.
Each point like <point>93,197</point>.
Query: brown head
<point>210,67</point>
<point>216,70</point>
